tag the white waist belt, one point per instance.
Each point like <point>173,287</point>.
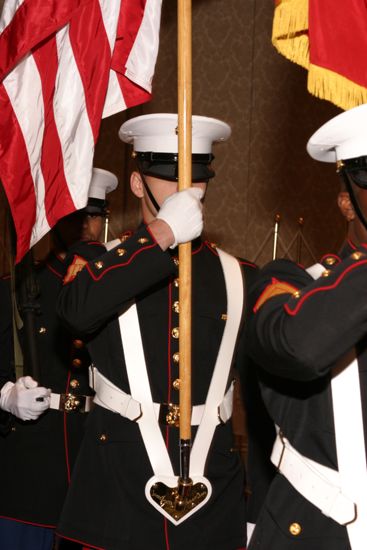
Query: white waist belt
<point>318,484</point>
<point>113,398</point>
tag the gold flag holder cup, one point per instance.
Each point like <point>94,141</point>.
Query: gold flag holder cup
<point>178,499</point>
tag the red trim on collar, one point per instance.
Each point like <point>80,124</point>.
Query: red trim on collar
<point>301,300</point>
<point>193,252</point>
<point>210,247</point>
<point>199,249</point>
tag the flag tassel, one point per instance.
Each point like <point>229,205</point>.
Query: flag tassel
<point>334,87</point>
<point>289,36</point>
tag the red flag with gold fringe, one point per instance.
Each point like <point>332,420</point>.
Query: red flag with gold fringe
<point>329,39</point>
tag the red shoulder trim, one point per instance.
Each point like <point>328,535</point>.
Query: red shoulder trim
<point>115,266</point>
<point>305,297</point>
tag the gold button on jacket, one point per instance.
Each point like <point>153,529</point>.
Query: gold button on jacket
<point>295,529</point>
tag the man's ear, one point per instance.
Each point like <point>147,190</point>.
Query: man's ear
<point>346,206</point>
<point>136,184</point>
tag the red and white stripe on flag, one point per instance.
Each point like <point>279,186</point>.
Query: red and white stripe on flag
<point>63,66</point>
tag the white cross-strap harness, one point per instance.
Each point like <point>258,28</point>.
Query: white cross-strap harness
<point>340,494</point>
<point>146,411</point>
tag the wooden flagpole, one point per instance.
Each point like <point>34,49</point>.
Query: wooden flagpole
<point>185,180</point>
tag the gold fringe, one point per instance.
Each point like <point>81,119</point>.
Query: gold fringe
<point>290,38</point>
<point>290,31</point>
<point>333,87</point>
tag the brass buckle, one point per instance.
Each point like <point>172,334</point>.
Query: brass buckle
<point>72,403</point>
<point>169,414</point>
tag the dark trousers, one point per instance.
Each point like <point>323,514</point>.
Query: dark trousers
<point>15,535</point>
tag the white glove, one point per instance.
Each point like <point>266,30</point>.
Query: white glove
<point>182,211</point>
<point>24,399</point>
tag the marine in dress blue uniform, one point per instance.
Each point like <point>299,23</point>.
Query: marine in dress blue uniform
<point>106,505</point>
<point>37,456</point>
<point>306,324</point>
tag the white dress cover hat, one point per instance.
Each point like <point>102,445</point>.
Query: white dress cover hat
<point>158,133</point>
<point>102,183</point>
<point>341,138</point>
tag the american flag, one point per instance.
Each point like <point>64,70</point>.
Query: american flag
<point>64,65</point>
